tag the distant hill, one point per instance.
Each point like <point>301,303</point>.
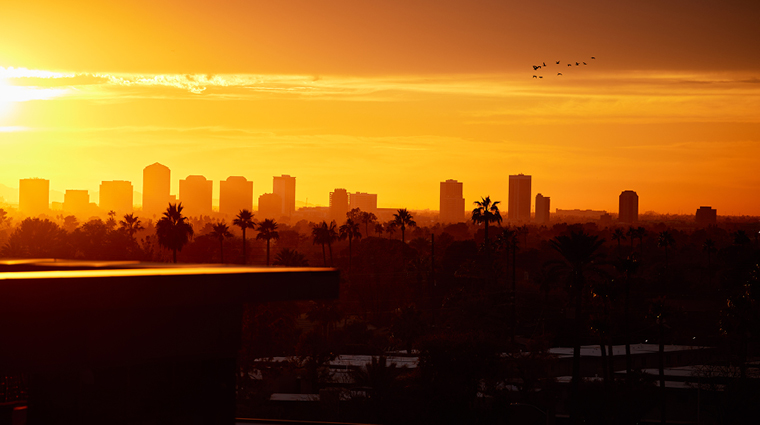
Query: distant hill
<point>9,194</point>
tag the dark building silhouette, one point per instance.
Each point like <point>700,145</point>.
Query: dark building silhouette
<point>235,194</point>
<point>34,196</point>
<point>116,195</point>
<point>195,196</point>
<point>542,209</point>
<point>285,187</point>
<point>156,187</point>
<point>76,201</point>
<point>519,198</point>
<point>628,210</point>
<point>270,206</point>
<point>706,216</point>
<point>452,208</point>
<point>338,205</point>
<point>366,202</point>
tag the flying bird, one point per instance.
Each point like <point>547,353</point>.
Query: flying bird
<point>569,64</point>
<point>540,76</point>
<point>557,62</point>
<point>593,57</point>
<point>559,73</point>
<point>535,76</point>
<point>576,64</point>
<point>544,63</point>
<point>584,63</point>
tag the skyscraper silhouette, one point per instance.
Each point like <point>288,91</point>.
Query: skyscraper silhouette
<point>519,198</point>
<point>195,195</point>
<point>235,194</point>
<point>285,187</point>
<point>338,205</point>
<point>452,208</point>
<point>706,216</point>
<point>270,206</point>
<point>156,186</point>
<point>116,195</point>
<point>628,209</point>
<point>542,209</point>
<point>366,202</point>
<point>34,196</point>
<point>76,201</point>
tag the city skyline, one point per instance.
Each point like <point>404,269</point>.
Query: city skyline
<point>259,90</point>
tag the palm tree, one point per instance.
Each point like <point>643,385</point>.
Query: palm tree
<point>507,238</point>
<point>350,230</point>
<point>403,218</point>
<point>367,218</point>
<point>379,229</point>
<point>130,224</point>
<point>111,222</point>
<point>486,212</point>
<point>579,252</point>
<point>619,236</point>
<point>627,267</point>
<point>268,231</point>
<point>290,258</point>
<point>390,228</point>
<point>221,231</point>
<point>325,234</point>
<point>173,230</point>
<point>244,220</point>
<point>641,233</point>
<point>664,241</point>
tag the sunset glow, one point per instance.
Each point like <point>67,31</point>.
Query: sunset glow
<point>391,100</point>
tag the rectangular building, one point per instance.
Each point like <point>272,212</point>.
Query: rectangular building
<point>519,198</point>
<point>116,195</point>
<point>452,209</point>
<point>235,194</point>
<point>542,209</point>
<point>195,196</point>
<point>285,187</point>
<point>34,196</point>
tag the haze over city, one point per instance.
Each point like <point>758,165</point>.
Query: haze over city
<point>391,98</point>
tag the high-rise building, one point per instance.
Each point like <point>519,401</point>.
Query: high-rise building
<point>628,210</point>
<point>519,198</point>
<point>706,216</point>
<point>285,187</point>
<point>366,202</point>
<point>195,196</point>
<point>338,205</point>
<point>542,209</point>
<point>33,196</point>
<point>270,206</point>
<point>116,195</point>
<point>451,202</point>
<point>156,186</point>
<point>76,201</point>
<point>235,194</point>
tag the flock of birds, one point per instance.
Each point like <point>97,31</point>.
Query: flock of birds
<point>543,65</point>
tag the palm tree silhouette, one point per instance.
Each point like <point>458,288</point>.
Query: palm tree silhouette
<point>325,234</point>
<point>402,219</point>
<point>579,252</point>
<point>173,230</point>
<point>130,225</point>
<point>390,228</point>
<point>666,240</point>
<point>244,220</point>
<point>268,231</point>
<point>221,231</point>
<point>367,218</point>
<point>290,258</point>
<point>486,212</point>
<point>379,229</point>
<point>619,236</point>
<point>111,222</point>
<point>350,230</point>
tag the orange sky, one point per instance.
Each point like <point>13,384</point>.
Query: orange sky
<point>391,97</point>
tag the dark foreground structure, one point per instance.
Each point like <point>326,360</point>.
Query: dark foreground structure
<point>129,343</point>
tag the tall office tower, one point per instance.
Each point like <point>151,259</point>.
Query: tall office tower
<point>451,202</point>
<point>542,209</point>
<point>706,216</point>
<point>235,194</point>
<point>270,206</point>
<point>366,202</point>
<point>195,196</point>
<point>33,196</point>
<point>116,195</point>
<point>628,210</point>
<point>519,198</point>
<point>76,201</point>
<point>156,186</point>
<point>338,205</point>
<point>285,187</point>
